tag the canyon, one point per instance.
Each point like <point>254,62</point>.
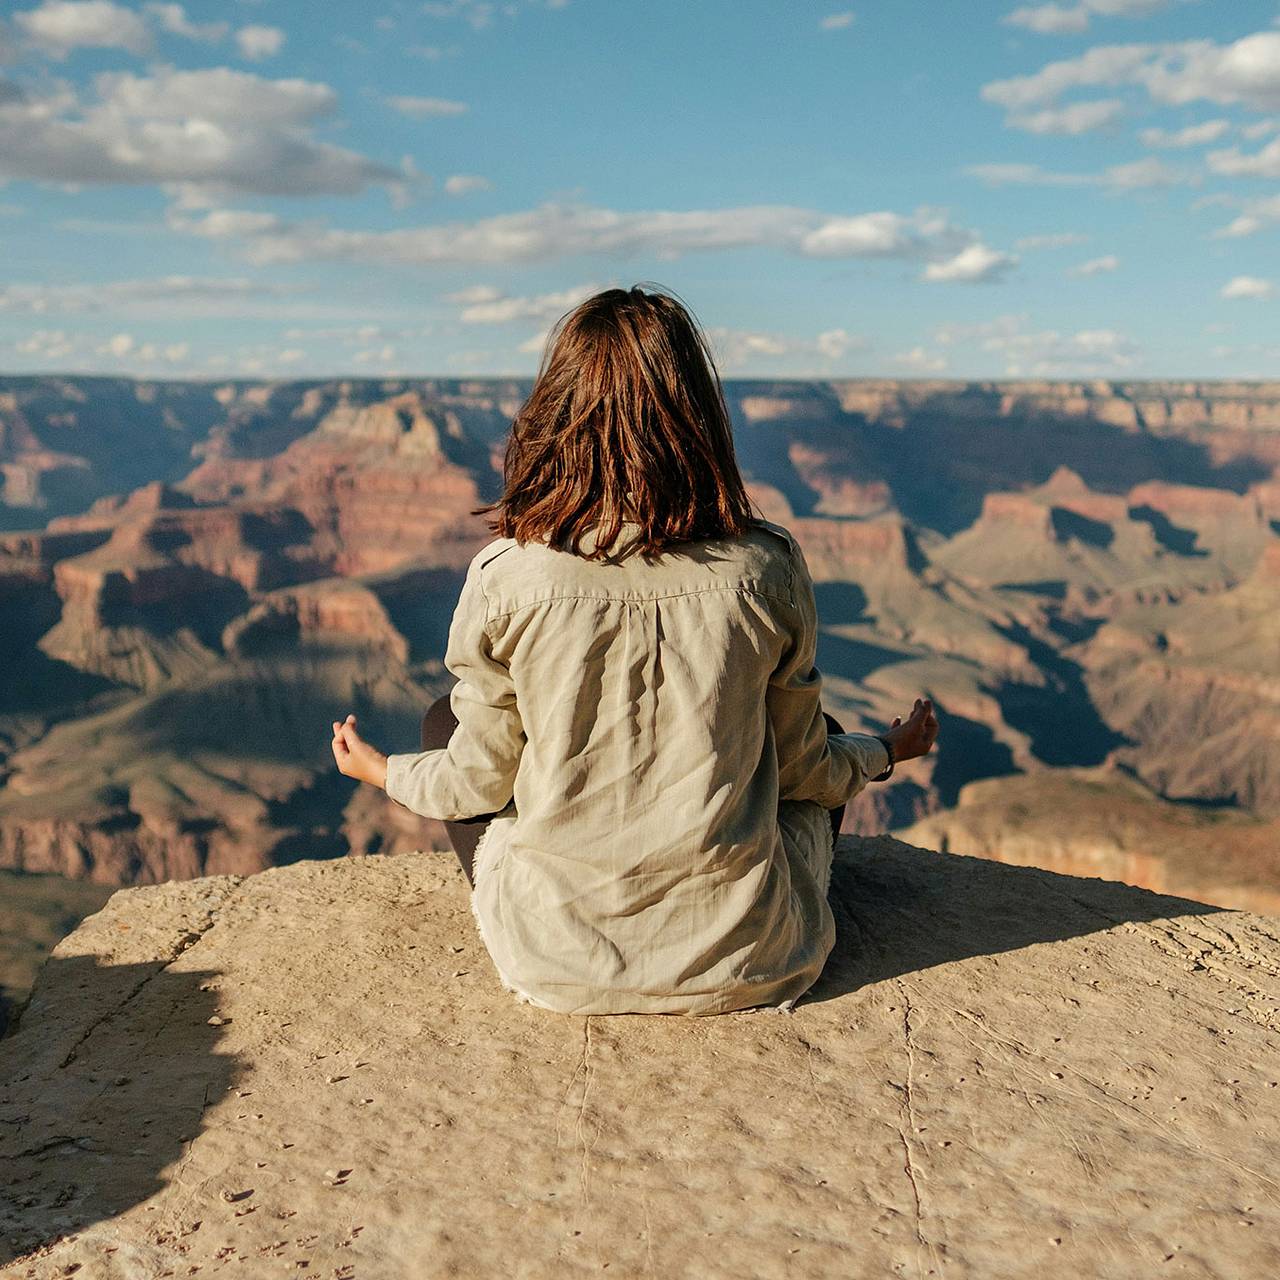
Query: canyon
<point>198,577</point>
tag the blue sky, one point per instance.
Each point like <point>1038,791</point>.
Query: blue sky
<point>934,189</point>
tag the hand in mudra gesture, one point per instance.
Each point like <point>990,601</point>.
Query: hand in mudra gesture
<point>916,736</point>
<point>355,757</point>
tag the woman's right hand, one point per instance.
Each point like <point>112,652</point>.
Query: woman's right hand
<point>917,735</point>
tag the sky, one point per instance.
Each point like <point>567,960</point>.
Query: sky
<point>939,188</point>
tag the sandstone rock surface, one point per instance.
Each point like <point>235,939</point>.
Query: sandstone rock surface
<point>313,1071</point>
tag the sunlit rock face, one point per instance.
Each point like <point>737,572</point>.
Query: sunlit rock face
<point>199,578</point>
<point>315,1070</point>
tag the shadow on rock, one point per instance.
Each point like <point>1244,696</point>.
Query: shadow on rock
<point>104,1078</point>
<point>899,910</point>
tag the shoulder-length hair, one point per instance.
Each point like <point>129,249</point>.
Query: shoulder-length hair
<point>626,421</point>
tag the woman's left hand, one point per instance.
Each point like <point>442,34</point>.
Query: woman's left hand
<point>356,757</point>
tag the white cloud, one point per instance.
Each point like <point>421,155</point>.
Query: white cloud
<point>161,292</point>
<point>1075,119</point>
<point>1047,352</point>
<point>463,184</point>
<point>258,42</point>
<point>60,26</point>
<point>837,21</point>
<point>421,108</point>
<point>743,348</point>
<point>119,346</point>
<point>1050,352</point>
<point>1052,240</point>
<point>1257,216</point>
<point>1259,128</point>
<point>1246,71</point>
<point>485,305</point>
<point>552,231</point>
<point>173,19</point>
<point>921,360</point>
<point>1049,19</point>
<point>1149,172</point>
<point>383,355</point>
<point>535,344</point>
<point>1096,266</point>
<point>1248,287</point>
<point>473,294</point>
<point>217,130</point>
<point>833,343</point>
<point>1193,135</point>
<point>1234,163</point>
<point>1053,19</point>
<point>974,264</point>
<point>1140,174</point>
<point>45,344</point>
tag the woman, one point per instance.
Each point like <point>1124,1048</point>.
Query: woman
<point>639,760</point>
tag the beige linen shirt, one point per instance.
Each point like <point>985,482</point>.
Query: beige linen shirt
<point>651,738</point>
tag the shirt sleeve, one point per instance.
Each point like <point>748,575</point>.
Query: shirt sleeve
<point>812,764</point>
<point>475,773</point>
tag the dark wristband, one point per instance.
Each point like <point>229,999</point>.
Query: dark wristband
<point>888,746</point>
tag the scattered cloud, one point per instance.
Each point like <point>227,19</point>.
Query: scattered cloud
<point>1245,72</point>
<point>921,360</point>
<point>484,304</point>
<point>1193,135</point>
<point>834,343</point>
<point>1257,215</point>
<point>1078,118</point>
<point>740,348</point>
<point>972,265</point>
<point>463,184</point>
<point>1049,19</point>
<point>45,344</point>
<point>1030,353</point>
<point>60,26</point>
<point>422,108</point>
<point>258,42</point>
<point>172,18</point>
<point>1259,128</point>
<point>123,346</point>
<point>1096,266</point>
<point>1233,163</point>
<point>1253,287</point>
<point>1136,175</point>
<point>837,21</point>
<point>217,132</point>
<point>1057,20</point>
<point>164,291</point>
<point>553,231</point>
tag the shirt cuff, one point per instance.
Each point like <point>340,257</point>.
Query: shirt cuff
<point>874,755</point>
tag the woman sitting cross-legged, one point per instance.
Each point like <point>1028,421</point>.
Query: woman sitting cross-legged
<point>635,751</point>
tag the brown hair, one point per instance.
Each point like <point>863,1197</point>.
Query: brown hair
<point>626,420</point>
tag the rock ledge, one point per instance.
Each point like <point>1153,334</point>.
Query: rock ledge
<point>313,1072</point>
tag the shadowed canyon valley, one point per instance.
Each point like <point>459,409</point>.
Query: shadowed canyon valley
<point>199,577</point>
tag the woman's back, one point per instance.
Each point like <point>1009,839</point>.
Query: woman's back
<point>650,730</point>
<point>637,700</point>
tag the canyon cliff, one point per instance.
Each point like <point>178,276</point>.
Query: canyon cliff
<point>1085,576</point>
